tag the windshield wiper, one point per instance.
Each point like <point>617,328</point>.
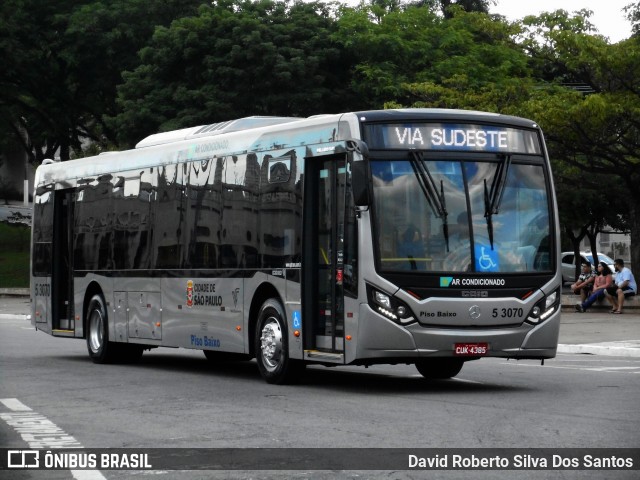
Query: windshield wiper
<point>493,196</point>
<point>429,188</point>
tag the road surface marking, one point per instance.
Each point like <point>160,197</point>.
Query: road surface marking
<point>39,432</point>
<point>584,369</point>
<point>15,405</point>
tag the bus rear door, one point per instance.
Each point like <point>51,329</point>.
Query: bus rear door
<point>62,271</point>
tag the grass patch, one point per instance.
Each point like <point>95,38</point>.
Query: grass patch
<point>14,255</point>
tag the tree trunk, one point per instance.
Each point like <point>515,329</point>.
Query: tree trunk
<point>64,151</point>
<point>575,242</point>
<point>592,235</point>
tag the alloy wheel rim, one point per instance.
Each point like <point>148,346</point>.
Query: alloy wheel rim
<point>95,331</point>
<point>271,344</point>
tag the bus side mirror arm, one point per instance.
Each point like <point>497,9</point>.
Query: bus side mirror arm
<point>360,176</point>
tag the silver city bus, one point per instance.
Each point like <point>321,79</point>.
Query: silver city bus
<point>419,236</point>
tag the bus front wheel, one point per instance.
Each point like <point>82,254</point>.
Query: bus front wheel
<point>271,346</point>
<point>439,368</point>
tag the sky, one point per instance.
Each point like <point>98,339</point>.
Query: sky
<point>608,16</point>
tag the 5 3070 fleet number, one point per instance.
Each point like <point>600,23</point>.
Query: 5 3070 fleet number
<point>507,312</point>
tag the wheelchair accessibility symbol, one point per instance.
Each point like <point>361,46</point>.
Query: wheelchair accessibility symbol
<point>297,321</point>
<point>486,259</point>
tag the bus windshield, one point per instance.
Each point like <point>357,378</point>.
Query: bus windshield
<point>453,215</point>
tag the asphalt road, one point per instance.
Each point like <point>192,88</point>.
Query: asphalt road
<point>176,398</point>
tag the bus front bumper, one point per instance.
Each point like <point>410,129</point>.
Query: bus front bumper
<point>380,338</point>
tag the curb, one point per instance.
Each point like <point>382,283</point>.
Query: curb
<point>18,292</point>
<point>11,316</point>
<point>569,302</point>
<point>612,349</point>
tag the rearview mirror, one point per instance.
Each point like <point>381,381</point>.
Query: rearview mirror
<point>360,177</point>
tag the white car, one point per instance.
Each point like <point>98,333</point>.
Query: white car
<point>569,266</point>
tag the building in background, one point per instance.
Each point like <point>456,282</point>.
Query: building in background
<point>615,245</point>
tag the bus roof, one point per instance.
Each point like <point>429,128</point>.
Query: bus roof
<point>265,132</point>
<point>246,123</point>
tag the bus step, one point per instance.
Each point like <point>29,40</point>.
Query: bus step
<point>63,333</point>
<point>324,356</point>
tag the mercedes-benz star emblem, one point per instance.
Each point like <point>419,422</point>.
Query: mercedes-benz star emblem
<point>475,312</point>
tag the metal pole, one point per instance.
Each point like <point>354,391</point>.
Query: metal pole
<point>25,197</point>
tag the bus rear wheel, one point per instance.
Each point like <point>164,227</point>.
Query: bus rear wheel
<point>271,346</point>
<point>439,368</point>
<point>101,350</point>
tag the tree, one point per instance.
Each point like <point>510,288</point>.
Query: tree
<point>233,59</point>
<point>632,12</point>
<point>598,133</point>
<point>61,63</point>
<point>585,206</point>
<point>481,6</point>
<point>470,62</point>
<point>30,93</point>
<point>416,57</point>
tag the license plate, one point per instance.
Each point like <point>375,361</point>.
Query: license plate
<point>471,349</point>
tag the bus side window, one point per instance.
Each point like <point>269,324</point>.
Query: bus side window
<point>132,220</point>
<point>169,219</point>
<point>280,207</point>
<point>204,211</point>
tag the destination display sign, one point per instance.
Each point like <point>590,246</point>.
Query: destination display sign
<point>461,137</point>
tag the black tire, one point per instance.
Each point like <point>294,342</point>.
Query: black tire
<point>439,368</point>
<point>101,350</point>
<point>271,346</point>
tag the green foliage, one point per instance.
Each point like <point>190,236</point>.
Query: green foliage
<point>62,61</point>
<point>418,58</point>
<point>596,133</point>
<point>231,60</point>
<point>14,256</point>
<point>466,5</point>
<point>632,11</point>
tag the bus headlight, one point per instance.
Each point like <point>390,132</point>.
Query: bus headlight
<point>389,306</point>
<point>382,299</point>
<point>544,308</point>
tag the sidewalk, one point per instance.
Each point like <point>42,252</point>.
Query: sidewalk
<point>600,333</point>
<point>596,332</point>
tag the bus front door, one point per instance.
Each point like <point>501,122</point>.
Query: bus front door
<point>323,266</point>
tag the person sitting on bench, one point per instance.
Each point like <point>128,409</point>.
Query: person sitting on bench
<point>625,286</point>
